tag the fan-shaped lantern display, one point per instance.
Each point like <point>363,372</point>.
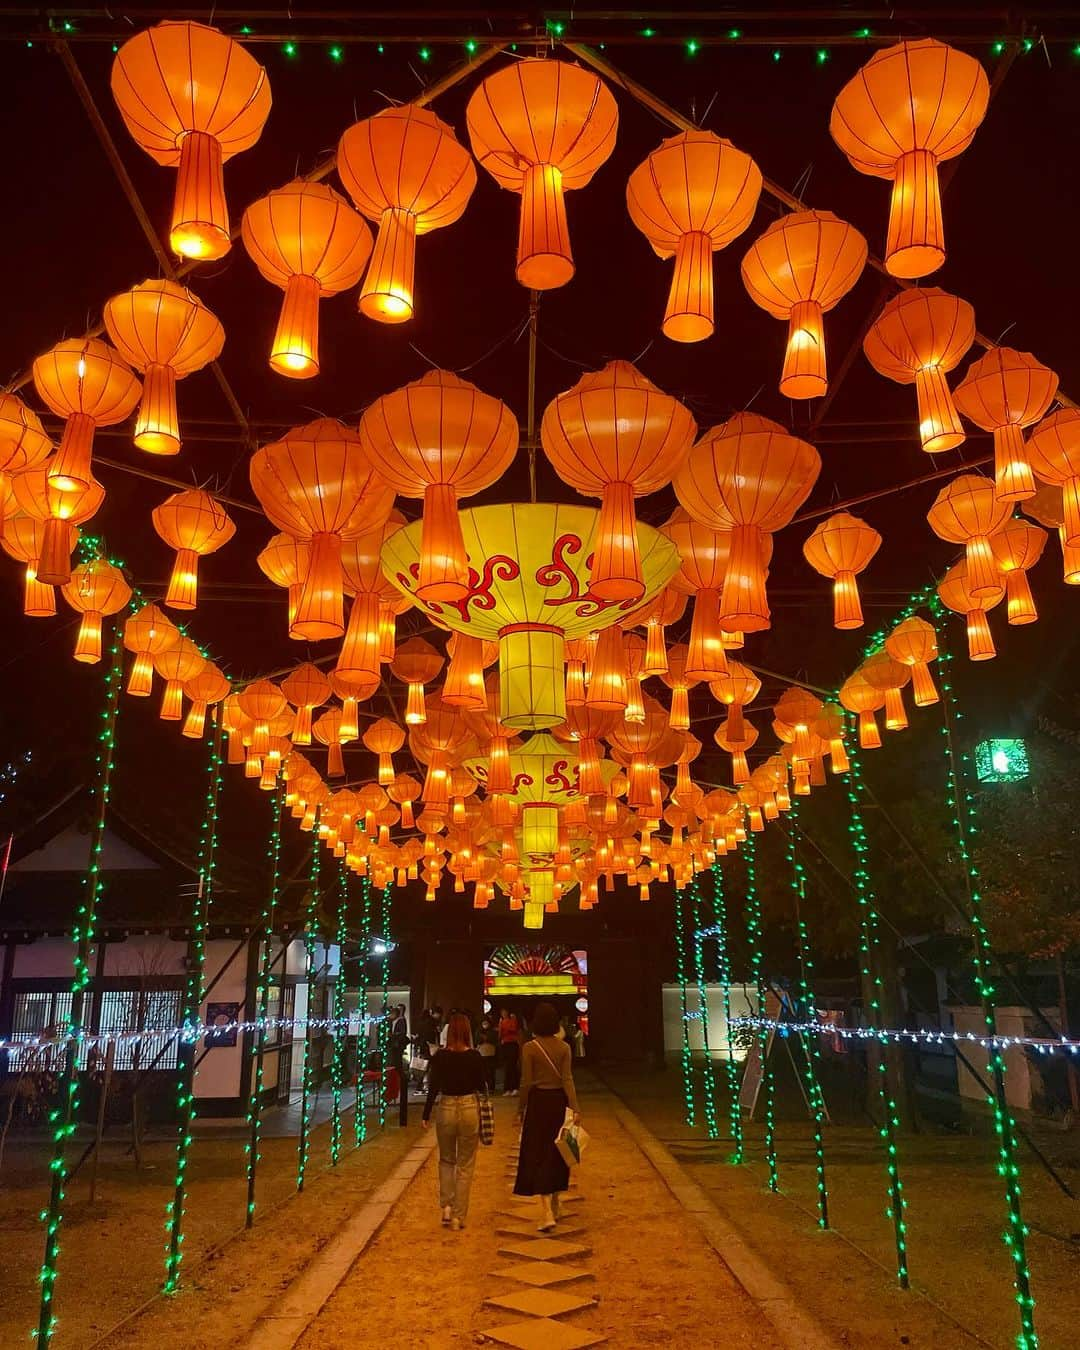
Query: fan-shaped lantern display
<point>914,642</point>
<point>23,445</point>
<point>910,107</point>
<point>167,333</point>
<point>615,436</point>
<point>749,476</point>
<point>96,588</point>
<point>306,239</point>
<point>36,495</point>
<point>1054,452</point>
<point>195,524</point>
<point>148,633</point>
<point>192,98</point>
<point>918,337</point>
<point>317,484</point>
<point>207,687</point>
<point>1003,392</point>
<point>840,547</point>
<point>693,195</point>
<point>968,511</point>
<point>306,688</point>
<point>859,696</point>
<point>177,664</point>
<point>1017,547</point>
<point>261,701</point>
<point>803,265</point>
<point>957,595</point>
<point>530,594</point>
<point>84,381</point>
<point>737,687</point>
<point>405,169</point>
<point>416,663</point>
<point>440,438</point>
<point>541,127</point>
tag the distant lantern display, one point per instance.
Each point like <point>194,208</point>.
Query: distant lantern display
<point>802,266</point>
<point>1003,392</point>
<point>86,382</point>
<point>306,239</point>
<point>541,128</point>
<point>192,98</point>
<point>317,484</point>
<point>194,524</point>
<point>909,108</point>
<point>440,438</point>
<point>919,336</point>
<point>748,475</point>
<point>165,331</point>
<point>616,436</point>
<point>405,170</point>
<point>840,547</point>
<point>690,198</point>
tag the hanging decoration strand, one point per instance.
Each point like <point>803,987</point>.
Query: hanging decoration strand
<point>384,1020</point>
<point>262,997</point>
<point>757,958</point>
<point>680,975</point>
<point>62,1118</point>
<point>359,1114</point>
<point>962,804</point>
<point>192,1005</point>
<point>341,1037</point>
<point>723,963</point>
<point>708,1080</point>
<point>307,1074</point>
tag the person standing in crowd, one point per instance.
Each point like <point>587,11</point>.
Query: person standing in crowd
<point>547,1092</point>
<point>397,1050</point>
<point>456,1078</point>
<point>487,1044</point>
<point>510,1051</point>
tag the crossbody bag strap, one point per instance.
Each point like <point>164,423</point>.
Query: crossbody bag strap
<point>539,1047</point>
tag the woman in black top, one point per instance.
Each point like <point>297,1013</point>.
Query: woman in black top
<point>456,1077</point>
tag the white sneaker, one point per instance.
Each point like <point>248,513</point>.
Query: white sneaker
<point>456,1225</point>
<point>446,1215</point>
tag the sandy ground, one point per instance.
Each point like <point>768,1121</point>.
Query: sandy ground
<point>656,1281</point>
<point>961,1273</point>
<point>112,1254</point>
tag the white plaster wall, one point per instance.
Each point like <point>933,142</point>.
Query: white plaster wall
<point>742,1003</point>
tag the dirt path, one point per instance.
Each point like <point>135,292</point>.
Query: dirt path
<point>655,1281</point>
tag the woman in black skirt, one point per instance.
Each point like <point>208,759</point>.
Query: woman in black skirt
<point>547,1091</point>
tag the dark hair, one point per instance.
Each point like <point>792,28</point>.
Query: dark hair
<point>545,1021</point>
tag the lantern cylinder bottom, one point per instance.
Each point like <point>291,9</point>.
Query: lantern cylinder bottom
<point>321,611</point>
<point>689,313</point>
<point>88,643</point>
<point>70,470</point>
<point>616,569</point>
<point>534,914</point>
<point>444,568</point>
<point>743,604</point>
<point>915,244</point>
<point>200,219</point>
<point>705,656</point>
<point>544,260</point>
<point>359,655</point>
<point>157,427</point>
<point>805,374</point>
<point>295,350</point>
<point>1013,479</point>
<point>387,292</point>
<point>940,427</point>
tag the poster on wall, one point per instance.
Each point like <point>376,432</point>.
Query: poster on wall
<point>223,1016</point>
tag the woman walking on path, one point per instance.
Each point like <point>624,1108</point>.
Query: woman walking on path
<point>456,1077</point>
<point>547,1091</point>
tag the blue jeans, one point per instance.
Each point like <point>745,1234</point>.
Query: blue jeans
<point>457,1128</point>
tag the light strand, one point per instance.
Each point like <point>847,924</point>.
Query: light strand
<point>360,1122</point>
<point>311,910</point>
<point>680,975</point>
<point>708,1081</point>
<point>337,1061</point>
<point>723,963</point>
<point>384,1023</point>
<point>757,956</point>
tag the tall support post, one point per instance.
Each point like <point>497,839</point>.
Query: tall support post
<point>723,962</point>
<point>687,1059</point>
<point>808,1010</point>
<point>384,1017</point>
<point>62,1118</point>
<point>262,1003</point>
<point>708,1079</point>
<point>757,959</point>
<point>962,804</point>
<point>311,910</point>
<point>868,964</point>
<point>337,1063</point>
<point>189,1012</point>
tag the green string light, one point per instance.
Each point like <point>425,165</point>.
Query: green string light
<point>868,943</point>
<point>723,963</point>
<point>336,54</point>
<point>311,910</point>
<point>192,1004</point>
<point>361,1044</point>
<point>961,802</point>
<point>384,1020</point>
<point>337,1062</point>
<point>708,1080</point>
<point>693,46</point>
<point>808,1009</point>
<point>680,975</point>
<point>262,1002</point>
<point>62,1118</point>
<point>757,958</point>
<point>359,1124</point>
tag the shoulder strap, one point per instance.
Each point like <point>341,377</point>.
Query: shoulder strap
<point>547,1057</point>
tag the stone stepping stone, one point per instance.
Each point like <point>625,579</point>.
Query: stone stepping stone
<point>524,1230</point>
<point>540,1274</point>
<point>541,1302</point>
<point>544,1249</point>
<point>541,1333</point>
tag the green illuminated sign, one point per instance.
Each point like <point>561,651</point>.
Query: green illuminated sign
<point>1001,761</point>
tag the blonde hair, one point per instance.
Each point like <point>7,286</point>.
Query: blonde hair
<point>459,1033</point>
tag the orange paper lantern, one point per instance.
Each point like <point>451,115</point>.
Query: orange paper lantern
<point>369,638</point>
<point>541,127</point>
<point>1017,547</point>
<point>910,107</point>
<point>384,738</point>
<point>693,195</point>
<point>1003,392</point>
<point>859,696</point>
<point>207,687</point>
<point>38,496</point>
<point>284,561</point>
<point>96,588</point>
<point>416,663</point>
<point>914,642</point>
<point>840,547</point>
<point>306,239</point>
<point>148,633</point>
<point>306,688</point>
<point>192,98</point>
<point>23,540</point>
<point>23,445</point>
<point>1054,452</point>
<point>956,594</point>
<point>803,265</point>
<point>84,381</point>
<point>194,524</point>
<point>178,663</point>
<point>736,688</point>
<point>968,511</point>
